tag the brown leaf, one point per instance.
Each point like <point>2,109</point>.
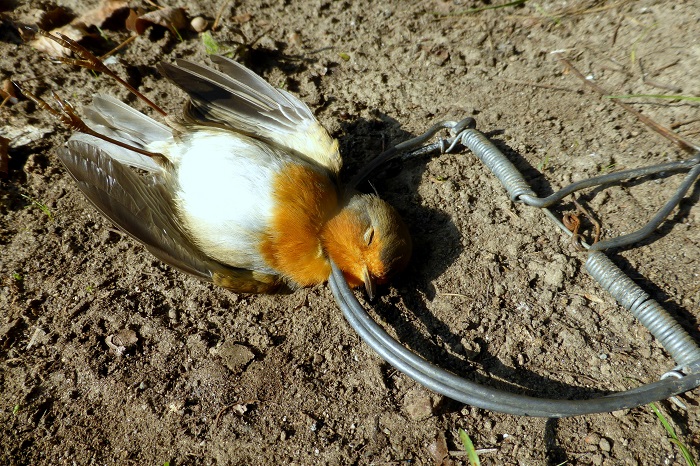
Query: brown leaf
<point>101,14</point>
<point>167,17</point>
<point>51,19</point>
<point>135,24</point>
<point>44,44</point>
<point>242,18</point>
<point>76,29</point>
<point>438,450</point>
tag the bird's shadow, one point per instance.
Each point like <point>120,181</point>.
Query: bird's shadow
<point>397,183</point>
<point>437,244</point>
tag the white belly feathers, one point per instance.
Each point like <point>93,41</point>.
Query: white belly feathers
<point>225,193</point>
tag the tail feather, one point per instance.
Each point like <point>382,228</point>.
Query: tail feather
<point>115,119</point>
<point>118,153</point>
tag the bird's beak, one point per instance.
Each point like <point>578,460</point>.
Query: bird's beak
<point>369,283</point>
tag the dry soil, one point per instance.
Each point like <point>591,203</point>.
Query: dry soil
<point>494,292</point>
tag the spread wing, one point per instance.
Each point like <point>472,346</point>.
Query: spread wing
<point>240,100</point>
<point>141,206</point>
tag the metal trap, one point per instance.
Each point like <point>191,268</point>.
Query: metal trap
<point>674,339</point>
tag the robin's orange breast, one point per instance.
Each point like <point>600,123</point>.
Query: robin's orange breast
<point>304,200</point>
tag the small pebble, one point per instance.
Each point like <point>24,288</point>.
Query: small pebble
<point>199,24</point>
<point>592,439</point>
<point>418,405</point>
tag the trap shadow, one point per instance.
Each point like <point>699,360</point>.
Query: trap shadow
<point>437,244</point>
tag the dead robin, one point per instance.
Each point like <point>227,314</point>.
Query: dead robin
<point>242,190</point>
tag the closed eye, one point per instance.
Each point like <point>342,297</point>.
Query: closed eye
<point>369,236</point>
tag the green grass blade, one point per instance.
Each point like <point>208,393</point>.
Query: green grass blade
<point>469,447</point>
<point>39,205</point>
<point>687,456</point>
<point>685,452</point>
<point>671,432</point>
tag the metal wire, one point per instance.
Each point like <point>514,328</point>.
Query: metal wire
<point>455,127</point>
<point>465,391</point>
<point>670,334</point>
<point>610,178</point>
<point>653,224</point>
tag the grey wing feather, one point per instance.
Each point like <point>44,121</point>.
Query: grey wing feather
<point>239,99</point>
<point>128,121</point>
<point>142,207</point>
<point>115,119</point>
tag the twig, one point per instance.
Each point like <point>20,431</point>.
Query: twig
<point>667,133</point>
<point>219,14</point>
<point>117,48</point>
<point>678,124</point>
<point>593,220</point>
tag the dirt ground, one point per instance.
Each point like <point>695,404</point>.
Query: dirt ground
<point>493,291</point>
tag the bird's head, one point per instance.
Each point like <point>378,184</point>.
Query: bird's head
<point>368,241</point>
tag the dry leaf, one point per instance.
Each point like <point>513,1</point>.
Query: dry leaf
<point>44,44</point>
<point>242,18</point>
<point>25,134</point>
<point>51,19</point>
<point>101,14</point>
<point>135,24</point>
<point>76,29</point>
<point>438,451</point>
<point>171,18</point>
